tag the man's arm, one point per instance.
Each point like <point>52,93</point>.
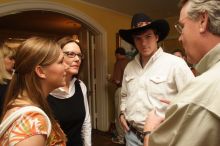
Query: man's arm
<point>187,125</point>
<point>151,123</point>
<point>183,75</point>
<point>122,118</point>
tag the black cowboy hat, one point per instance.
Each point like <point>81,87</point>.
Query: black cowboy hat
<point>140,22</point>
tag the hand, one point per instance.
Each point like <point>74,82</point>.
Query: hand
<point>108,77</point>
<point>164,100</point>
<point>152,121</point>
<point>123,123</point>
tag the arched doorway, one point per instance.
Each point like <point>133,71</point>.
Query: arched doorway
<point>94,39</point>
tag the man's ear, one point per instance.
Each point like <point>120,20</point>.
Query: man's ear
<point>157,37</point>
<point>40,72</point>
<point>203,22</point>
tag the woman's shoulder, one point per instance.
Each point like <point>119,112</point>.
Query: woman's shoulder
<point>33,122</point>
<point>81,83</point>
<point>28,124</point>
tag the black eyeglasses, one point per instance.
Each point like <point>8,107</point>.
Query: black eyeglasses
<point>73,55</point>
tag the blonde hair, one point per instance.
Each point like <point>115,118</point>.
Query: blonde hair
<point>32,52</point>
<point>5,51</point>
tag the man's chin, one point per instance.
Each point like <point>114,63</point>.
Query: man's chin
<point>190,60</point>
<point>63,84</point>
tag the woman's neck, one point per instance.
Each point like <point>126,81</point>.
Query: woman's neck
<point>21,100</point>
<point>68,80</point>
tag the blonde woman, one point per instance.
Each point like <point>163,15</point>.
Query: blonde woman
<point>6,69</point>
<point>39,69</point>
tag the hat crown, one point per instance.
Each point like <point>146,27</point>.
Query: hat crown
<point>140,20</point>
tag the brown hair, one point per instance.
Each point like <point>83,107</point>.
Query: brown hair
<point>32,52</point>
<point>65,40</point>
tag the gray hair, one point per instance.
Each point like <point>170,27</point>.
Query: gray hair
<point>212,7</point>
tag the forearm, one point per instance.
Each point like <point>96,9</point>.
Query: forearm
<point>151,123</point>
<point>146,139</point>
<point>148,130</point>
<point>123,122</point>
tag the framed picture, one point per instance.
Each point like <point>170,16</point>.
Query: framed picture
<point>130,49</point>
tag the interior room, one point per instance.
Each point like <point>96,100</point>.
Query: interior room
<point>95,24</point>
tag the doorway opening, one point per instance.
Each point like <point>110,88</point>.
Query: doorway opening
<point>19,20</point>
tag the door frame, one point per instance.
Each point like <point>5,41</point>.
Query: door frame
<point>7,8</point>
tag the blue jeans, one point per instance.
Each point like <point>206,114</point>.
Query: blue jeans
<point>132,140</point>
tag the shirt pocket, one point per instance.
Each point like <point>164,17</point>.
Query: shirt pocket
<point>158,79</point>
<point>157,86</point>
<point>131,84</point>
<point>158,89</point>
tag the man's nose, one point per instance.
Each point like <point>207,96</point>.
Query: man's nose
<point>180,38</point>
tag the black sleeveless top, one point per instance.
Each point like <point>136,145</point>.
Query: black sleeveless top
<point>3,89</point>
<point>70,114</point>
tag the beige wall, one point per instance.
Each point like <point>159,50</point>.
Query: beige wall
<point>171,42</point>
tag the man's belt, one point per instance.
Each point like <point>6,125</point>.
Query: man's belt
<point>140,135</point>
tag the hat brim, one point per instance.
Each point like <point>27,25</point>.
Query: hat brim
<point>161,26</point>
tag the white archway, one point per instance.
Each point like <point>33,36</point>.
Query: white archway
<point>101,44</point>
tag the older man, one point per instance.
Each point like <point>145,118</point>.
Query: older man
<point>194,116</point>
<point>150,76</point>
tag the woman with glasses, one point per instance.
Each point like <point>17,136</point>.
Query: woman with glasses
<point>69,103</point>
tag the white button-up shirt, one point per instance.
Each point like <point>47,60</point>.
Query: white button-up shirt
<point>162,77</point>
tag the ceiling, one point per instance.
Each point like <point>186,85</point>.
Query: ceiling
<point>38,22</point>
<point>59,24</point>
<point>153,8</point>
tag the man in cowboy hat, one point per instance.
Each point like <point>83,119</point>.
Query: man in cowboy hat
<point>151,76</point>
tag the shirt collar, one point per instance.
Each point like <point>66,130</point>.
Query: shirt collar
<point>210,59</point>
<point>153,57</point>
<point>61,93</point>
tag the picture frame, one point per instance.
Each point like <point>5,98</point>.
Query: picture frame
<point>129,49</point>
